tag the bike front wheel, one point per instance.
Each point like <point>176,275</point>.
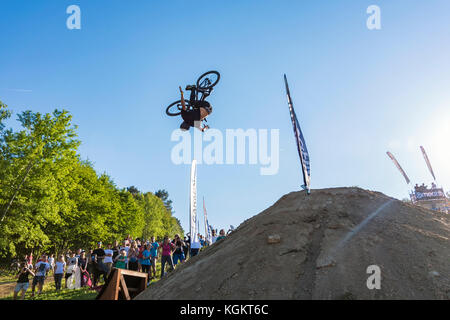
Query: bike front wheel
<point>208,80</point>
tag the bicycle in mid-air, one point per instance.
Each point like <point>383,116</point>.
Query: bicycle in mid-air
<point>199,92</point>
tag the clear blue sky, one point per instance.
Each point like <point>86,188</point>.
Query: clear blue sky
<point>358,93</point>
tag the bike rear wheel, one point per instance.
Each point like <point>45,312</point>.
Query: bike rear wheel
<point>175,108</point>
<point>208,80</point>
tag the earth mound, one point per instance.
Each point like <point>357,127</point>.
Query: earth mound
<point>319,246</point>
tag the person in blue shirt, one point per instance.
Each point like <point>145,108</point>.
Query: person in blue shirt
<point>153,256</point>
<point>146,262</point>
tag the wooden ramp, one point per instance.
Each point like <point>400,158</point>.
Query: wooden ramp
<point>123,285</point>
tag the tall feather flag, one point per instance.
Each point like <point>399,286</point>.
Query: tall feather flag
<point>208,228</point>
<point>428,162</point>
<point>300,140</point>
<point>193,203</point>
<point>398,166</point>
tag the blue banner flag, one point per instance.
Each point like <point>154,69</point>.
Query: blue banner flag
<point>301,144</point>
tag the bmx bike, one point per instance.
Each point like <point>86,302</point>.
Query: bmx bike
<point>203,88</point>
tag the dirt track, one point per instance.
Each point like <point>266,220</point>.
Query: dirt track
<point>324,250</point>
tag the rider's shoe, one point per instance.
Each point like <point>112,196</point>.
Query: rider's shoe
<point>190,87</point>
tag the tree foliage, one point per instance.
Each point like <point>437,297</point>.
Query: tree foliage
<point>51,200</point>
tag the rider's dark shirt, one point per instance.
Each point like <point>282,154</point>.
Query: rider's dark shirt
<point>190,116</point>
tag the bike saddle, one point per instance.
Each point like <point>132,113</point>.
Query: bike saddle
<point>190,87</point>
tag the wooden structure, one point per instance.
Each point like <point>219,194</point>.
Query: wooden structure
<point>123,285</point>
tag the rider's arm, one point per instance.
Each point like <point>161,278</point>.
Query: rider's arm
<point>182,100</point>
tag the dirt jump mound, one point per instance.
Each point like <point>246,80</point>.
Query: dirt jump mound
<point>320,247</point>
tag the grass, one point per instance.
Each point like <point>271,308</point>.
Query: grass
<point>49,292</point>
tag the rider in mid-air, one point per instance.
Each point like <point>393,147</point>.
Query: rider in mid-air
<point>199,112</point>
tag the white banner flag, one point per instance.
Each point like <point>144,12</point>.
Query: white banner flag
<point>193,203</point>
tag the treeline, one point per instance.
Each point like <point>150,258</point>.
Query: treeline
<point>51,199</point>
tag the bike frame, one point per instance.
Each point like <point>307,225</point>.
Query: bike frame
<point>204,93</point>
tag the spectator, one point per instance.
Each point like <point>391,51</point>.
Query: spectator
<point>195,248</point>
<point>82,264</point>
<point>178,254</point>
<point>186,247</point>
<point>166,256</point>
<point>51,262</point>
<point>116,249</point>
<point>72,264</point>
<point>146,262</point>
<point>42,268</point>
<point>100,269</point>
<point>221,235</point>
<point>133,257</point>
<point>23,282</point>
<point>140,256</point>
<point>30,260</point>
<point>91,265</point>
<point>153,256</point>
<point>108,259</point>
<point>60,268</point>
<point>126,246</point>
<point>121,260</point>
<point>213,236</point>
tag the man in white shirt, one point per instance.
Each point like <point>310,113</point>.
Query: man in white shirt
<point>213,236</point>
<point>126,246</point>
<point>108,260</point>
<point>41,268</point>
<point>195,248</point>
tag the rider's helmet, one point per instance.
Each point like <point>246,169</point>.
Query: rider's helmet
<point>184,126</point>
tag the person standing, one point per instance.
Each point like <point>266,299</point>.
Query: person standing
<point>82,264</point>
<point>23,282</point>
<point>121,260</point>
<point>146,262</point>
<point>115,249</point>
<point>186,247</point>
<point>60,268</point>
<point>195,248</point>
<point>108,259</point>
<point>153,256</point>
<point>141,249</point>
<point>100,269</point>
<point>72,264</point>
<point>51,262</point>
<point>166,256</point>
<point>133,254</point>
<point>30,260</point>
<point>42,268</point>
<point>213,236</point>
<point>126,246</point>
<point>221,235</point>
<point>178,254</point>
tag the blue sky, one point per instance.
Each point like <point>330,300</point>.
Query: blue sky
<point>358,93</point>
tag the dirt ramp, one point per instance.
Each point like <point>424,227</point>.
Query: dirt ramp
<point>319,247</point>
